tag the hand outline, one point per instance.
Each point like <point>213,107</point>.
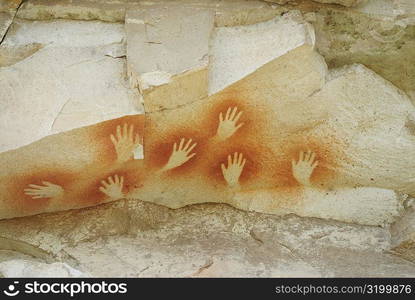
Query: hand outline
<point>228,124</point>
<point>125,142</point>
<point>233,171</point>
<point>305,166</point>
<point>180,154</point>
<point>113,188</point>
<point>47,190</point>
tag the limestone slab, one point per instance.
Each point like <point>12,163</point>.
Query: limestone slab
<point>131,238</point>
<point>290,137</point>
<point>174,41</point>
<point>108,10</point>
<point>231,59</point>
<point>62,75</point>
<point>6,19</point>
<point>403,235</point>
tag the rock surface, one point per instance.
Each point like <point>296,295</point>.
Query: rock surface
<point>329,139</point>
<point>231,59</point>
<point>347,3</point>
<point>173,72</point>
<point>25,268</point>
<point>138,239</point>
<point>298,110</point>
<point>403,234</point>
<point>61,75</point>
<point>303,133</point>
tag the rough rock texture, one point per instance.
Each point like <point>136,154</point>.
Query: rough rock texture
<point>297,111</point>
<point>70,74</point>
<point>173,72</point>
<point>27,268</point>
<point>334,141</point>
<point>403,234</point>
<point>8,10</point>
<point>381,38</point>
<point>231,60</point>
<point>107,10</point>
<point>341,2</point>
<point>134,238</point>
<point>5,21</point>
<point>304,139</point>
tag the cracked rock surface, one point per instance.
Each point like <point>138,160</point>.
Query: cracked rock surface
<point>130,238</point>
<point>73,73</point>
<point>87,86</point>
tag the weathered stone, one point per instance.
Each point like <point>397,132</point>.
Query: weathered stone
<point>304,113</point>
<point>173,72</point>
<point>228,13</point>
<point>231,59</point>
<point>58,159</point>
<point>347,3</point>
<point>5,21</point>
<point>341,2</point>
<point>170,77</point>
<point>87,86</point>
<point>9,5</point>
<point>403,235</point>
<point>375,38</point>
<point>107,10</point>
<point>134,238</point>
<point>302,117</point>
<point>335,144</point>
<point>26,268</point>
<point>376,33</point>
<point>8,10</point>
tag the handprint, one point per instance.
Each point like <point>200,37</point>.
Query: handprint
<point>47,190</point>
<point>180,154</point>
<point>305,166</point>
<point>125,142</point>
<point>227,126</point>
<point>113,188</point>
<point>233,171</point>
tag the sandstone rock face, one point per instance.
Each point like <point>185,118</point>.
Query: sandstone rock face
<point>108,10</point>
<point>139,239</point>
<point>8,9</point>
<point>296,147</point>
<point>231,59</point>
<point>24,268</point>
<point>300,108</point>
<point>172,73</point>
<point>341,2</point>
<point>347,3</point>
<point>378,34</point>
<point>301,114</point>
<point>403,234</point>
<point>87,86</point>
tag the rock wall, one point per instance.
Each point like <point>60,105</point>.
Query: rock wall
<point>277,107</point>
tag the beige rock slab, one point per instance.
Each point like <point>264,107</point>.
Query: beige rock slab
<point>5,21</point>
<point>381,38</point>
<point>230,59</point>
<point>403,235</point>
<point>9,5</point>
<point>72,169</point>
<point>107,10</point>
<point>347,3</point>
<point>61,75</point>
<point>174,41</point>
<point>26,268</point>
<point>270,147</point>
<point>227,13</point>
<point>289,131</point>
<point>138,239</point>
